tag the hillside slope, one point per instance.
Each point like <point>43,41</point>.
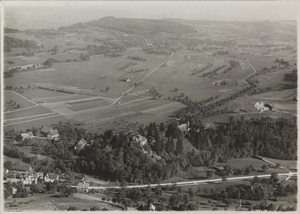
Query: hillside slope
<point>141,26</point>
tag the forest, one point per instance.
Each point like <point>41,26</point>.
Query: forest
<point>118,157</point>
<point>10,42</point>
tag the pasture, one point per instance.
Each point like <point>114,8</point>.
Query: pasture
<point>83,105</point>
<point>128,116</point>
<point>36,94</point>
<point>12,99</point>
<point>242,163</point>
<point>284,94</point>
<point>54,202</point>
<point>178,74</point>
<point>37,110</point>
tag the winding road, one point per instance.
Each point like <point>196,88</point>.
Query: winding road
<point>254,71</point>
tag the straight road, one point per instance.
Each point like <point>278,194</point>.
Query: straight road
<point>196,182</point>
<point>147,75</point>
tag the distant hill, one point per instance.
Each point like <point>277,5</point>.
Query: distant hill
<point>10,30</point>
<point>141,26</point>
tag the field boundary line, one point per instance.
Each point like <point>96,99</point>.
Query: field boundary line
<point>26,121</point>
<point>43,98</point>
<point>24,97</point>
<point>22,109</point>
<point>19,118</point>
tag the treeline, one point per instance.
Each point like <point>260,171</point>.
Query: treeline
<point>207,108</point>
<point>197,108</point>
<point>105,49</point>
<point>213,72</point>
<point>50,61</point>
<point>137,58</point>
<point>138,70</point>
<point>282,62</point>
<point>291,78</point>
<point>197,71</point>
<point>11,42</point>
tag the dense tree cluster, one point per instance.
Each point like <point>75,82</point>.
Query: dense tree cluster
<point>11,42</point>
<point>291,78</point>
<point>275,138</point>
<point>213,72</point>
<point>282,62</point>
<point>104,49</point>
<point>120,157</point>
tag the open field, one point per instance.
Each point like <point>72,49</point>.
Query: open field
<point>292,164</point>
<point>104,114</point>
<point>42,94</point>
<point>78,106</point>
<point>277,95</point>
<point>257,164</point>
<point>178,75</point>
<point>54,202</point>
<point>26,112</point>
<point>11,97</point>
<point>36,122</point>
<point>245,105</point>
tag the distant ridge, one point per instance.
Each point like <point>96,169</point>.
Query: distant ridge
<point>140,26</point>
<point>10,30</point>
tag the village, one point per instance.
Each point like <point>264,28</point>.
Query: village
<point>18,172</point>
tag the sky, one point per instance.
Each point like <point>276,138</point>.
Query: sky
<point>49,14</point>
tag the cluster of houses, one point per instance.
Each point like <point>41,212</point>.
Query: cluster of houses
<point>25,174</point>
<point>46,133</point>
<point>24,67</point>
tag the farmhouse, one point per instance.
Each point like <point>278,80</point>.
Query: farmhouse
<point>184,128</point>
<point>53,134</point>
<point>140,139</point>
<point>219,168</point>
<point>50,133</point>
<point>27,135</point>
<point>80,145</point>
<point>83,187</point>
<point>13,192</point>
<point>46,130</point>
<point>267,189</point>
<point>51,177</point>
<point>261,107</point>
<point>32,178</point>
<point>151,207</point>
<point>125,80</point>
